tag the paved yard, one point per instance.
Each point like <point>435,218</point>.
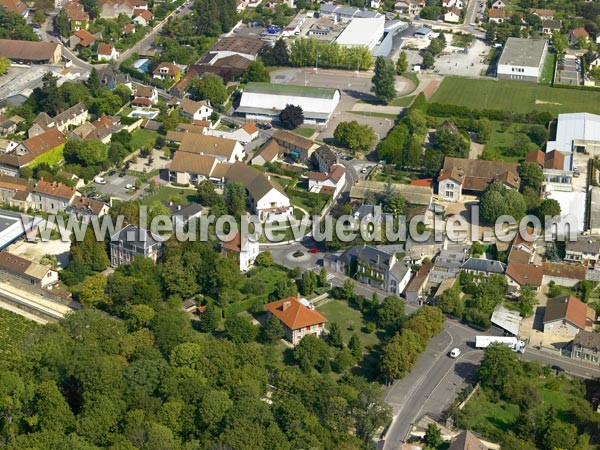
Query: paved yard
<point>353,86</point>
<point>453,61</point>
<point>36,250</point>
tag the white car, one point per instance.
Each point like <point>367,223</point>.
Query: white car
<point>130,187</point>
<point>99,180</point>
<point>364,170</point>
<point>455,352</point>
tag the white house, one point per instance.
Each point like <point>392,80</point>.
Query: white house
<point>498,4</point>
<point>331,183</point>
<point>267,199</point>
<point>242,249</point>
<point>195,110</point>
<point>107,52</point>
<point>452,15</point>
<point>243,134</point>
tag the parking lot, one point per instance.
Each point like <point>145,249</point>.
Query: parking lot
<point>353,86</point>
<point>115,186</point>
<point>568,71</point>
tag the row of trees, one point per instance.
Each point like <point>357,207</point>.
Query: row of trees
<point>402,351</point>
<point>311,52</point>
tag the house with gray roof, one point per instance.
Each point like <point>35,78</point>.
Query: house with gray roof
<point>483,267</point>
<point>447,265</point>
<point>372,266</point>
<point>585,250</point>
<point>132,242</point>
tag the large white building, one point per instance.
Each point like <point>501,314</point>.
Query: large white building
<point>264,101</point>
<point>576,132</point>
<point>363,33</point>
<point>522,59</point>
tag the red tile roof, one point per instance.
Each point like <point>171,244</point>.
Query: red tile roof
<point>250,128</point>
<point>580,33</point>
<point>105,49</point>
<point>16,6</point>
<point>144,13</point>
<point>525,274</point>
<point>568,308</point>
<point>425,182</point>
<point>294,314</point>
<point>55,189</point>
<point>561,270</point>
<point>86,37</point>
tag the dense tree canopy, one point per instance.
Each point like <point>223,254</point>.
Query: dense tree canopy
<point>354,135</point>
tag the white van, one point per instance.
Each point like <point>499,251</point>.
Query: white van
<point>99,180</point>
<point>455,353</point>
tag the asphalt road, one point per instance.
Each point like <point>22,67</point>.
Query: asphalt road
<point>436,378</point>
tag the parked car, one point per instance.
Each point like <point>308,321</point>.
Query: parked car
<point>313,250</point>
<point>130,187</point>
<point>99,180</point>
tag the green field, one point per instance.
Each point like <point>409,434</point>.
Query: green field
<point>500,143</point>
<point>305,132</point>
<point>515,96</point>
<point>350,321</point>
<point>13,330</point>
<point>182,195</point>
<point>143,138</point>
<point>548,70</point>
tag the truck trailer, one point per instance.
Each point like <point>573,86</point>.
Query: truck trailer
<point>515,344</point>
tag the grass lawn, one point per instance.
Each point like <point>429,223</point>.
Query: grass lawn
<point>403,101</point>
<point>283,182</point>
<point>548,70</point>
<point>490,418</point>
<point>305,132</point>
<point>13,330</point>
<point>500,142</point>
<point>165,193</point>
<point>350,321</point>
<point>142,138</point>
<point>516,96</point>
<point>372,114</point>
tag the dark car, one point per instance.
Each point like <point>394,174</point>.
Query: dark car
<point>122,174</point>
<point>557,368</point>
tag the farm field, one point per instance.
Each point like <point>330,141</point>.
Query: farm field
<point>13,330</point>
<point>515,96</point>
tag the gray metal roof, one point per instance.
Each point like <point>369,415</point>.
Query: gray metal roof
<point>584,244</point>
<point>574,126</point>
<point>484,265</point>
<point>507,319</point>
<point>523,52</point>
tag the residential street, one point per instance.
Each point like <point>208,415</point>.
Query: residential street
<point>436,378</point>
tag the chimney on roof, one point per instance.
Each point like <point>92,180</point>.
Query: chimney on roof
<point>286,305</point>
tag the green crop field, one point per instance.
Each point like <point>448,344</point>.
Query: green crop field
<point>515,96</point>
<point>13,330</point>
